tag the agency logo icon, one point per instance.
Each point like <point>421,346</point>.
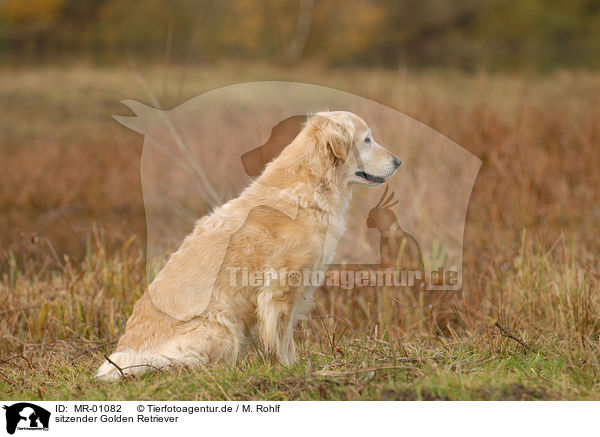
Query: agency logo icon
<point>201,154</point>
<point>26,417</point>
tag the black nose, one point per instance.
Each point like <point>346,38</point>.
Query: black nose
<point>397,162</point>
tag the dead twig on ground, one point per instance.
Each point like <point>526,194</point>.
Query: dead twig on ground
<point>358,371</point>
<point>9,361</point>
<point>4,378</point>
<point>116,366</point>
<point>512,336</point>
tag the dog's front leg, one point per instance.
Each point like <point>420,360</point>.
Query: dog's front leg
<point>291,348</point>
<point>274,308</point>
<point>301,306</point>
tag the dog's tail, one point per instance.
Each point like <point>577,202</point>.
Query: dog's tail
<point>129,362</point>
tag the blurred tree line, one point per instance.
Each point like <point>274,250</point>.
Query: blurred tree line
<point>468,34</point>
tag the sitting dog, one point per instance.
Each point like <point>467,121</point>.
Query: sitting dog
<point>289,219</point>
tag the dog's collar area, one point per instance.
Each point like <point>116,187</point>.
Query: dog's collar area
<point>370,177</point>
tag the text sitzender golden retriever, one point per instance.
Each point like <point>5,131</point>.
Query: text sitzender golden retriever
<point>289,219</point>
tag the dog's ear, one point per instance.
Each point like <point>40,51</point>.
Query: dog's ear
<point>335,132</point>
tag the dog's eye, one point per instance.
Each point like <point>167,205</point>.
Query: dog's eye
<point>368,140</point>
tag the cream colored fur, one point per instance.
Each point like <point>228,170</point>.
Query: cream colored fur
<point>290,218</point>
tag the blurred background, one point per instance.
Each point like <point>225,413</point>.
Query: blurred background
<point>513,82</point>
<point>66,64</point>
<point>471,34</point>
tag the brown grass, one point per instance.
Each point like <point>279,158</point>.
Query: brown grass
<point>71,200</point>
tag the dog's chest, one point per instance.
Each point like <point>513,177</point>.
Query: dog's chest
<point>335,229</point>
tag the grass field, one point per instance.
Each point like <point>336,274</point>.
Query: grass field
<point>525,326</point>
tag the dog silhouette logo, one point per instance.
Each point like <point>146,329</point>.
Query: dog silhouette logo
<point>26,416</point>
<point>255,160</point>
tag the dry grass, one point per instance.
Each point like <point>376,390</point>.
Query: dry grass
<point>71,270</point>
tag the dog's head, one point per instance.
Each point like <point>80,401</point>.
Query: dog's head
<point>350,144</point>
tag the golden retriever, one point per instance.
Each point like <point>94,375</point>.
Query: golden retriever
<point>196,312</point>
